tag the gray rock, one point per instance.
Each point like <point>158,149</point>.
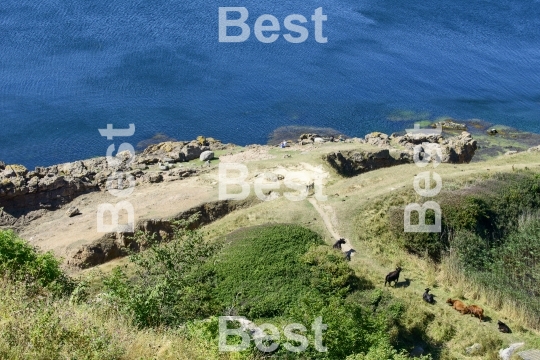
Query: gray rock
<point>153,178</point>
<point>192,151</point>
<point>318,140</point>
<point>474,349</point>
<point>2,165</point>
<point>268,176</point>
<point>529,355</point>
<point>72,211</point>
<point>492,132</point>
<point>8,173</point>
<point>506,354</point>
<point>206,155</point>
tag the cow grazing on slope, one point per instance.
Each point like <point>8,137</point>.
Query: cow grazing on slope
<point>428,297</point>
<point>393,276</point>
<point>458,305</point>
<point>476,311</point>
<point>337,244</point>
<point>503,327</point>
<point>348,254</point>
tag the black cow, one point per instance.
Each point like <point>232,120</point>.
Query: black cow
<point>348,254</point>
<point>337,244</point>
<point>393,276</point>
<point>503,327</point>
<point>428,297</point>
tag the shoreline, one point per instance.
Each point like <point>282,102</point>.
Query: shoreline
<point>507,138</point>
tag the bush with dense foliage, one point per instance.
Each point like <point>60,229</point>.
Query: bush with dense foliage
<point>21,262</point>
<point>492,229</point>
<point>278,274</point>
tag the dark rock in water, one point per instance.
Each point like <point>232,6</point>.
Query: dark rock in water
<point>156,139</point>
<point>292,133</point>
<point>492,132</point>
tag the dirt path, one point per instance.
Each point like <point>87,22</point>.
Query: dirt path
<point>324,211</point>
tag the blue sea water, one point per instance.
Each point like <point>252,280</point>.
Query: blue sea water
<point>70,67</point>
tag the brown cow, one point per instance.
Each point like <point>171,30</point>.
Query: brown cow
<point>476,311</point>
<point>458,305</point>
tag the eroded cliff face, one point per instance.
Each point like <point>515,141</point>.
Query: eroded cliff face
<point>25,195</point>
<point>397,150</point>
<point>115,245</point>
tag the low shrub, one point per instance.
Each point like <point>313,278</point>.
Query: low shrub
<point>21,262</point>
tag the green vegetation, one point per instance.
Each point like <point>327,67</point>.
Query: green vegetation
<point>490,235</point>
<point>20,262</point>
<point>276,274</point>
<point>279,274</point>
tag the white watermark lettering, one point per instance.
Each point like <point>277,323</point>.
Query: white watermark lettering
<point>266,336</point>
<point>267,28</point>
<point>423,156</point>
<point>125,183</point>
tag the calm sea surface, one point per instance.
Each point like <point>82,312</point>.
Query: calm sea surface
<point>67,68</point>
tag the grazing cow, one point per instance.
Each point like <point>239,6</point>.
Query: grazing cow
<point>393,276</point>
<point>348,254</point>
<point>458,305</point>
<point>337,244</point>
<point>503,327</point>
<point>428,297</point>
<point>476,311</point>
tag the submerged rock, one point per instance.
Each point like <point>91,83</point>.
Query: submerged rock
<point>449,124</point>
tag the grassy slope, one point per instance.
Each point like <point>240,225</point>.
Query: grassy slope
<point>346,196</point>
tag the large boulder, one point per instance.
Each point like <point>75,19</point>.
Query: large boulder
<point>459,149</point>
<point>206,155</point>
<point>193,150</point>
<point>158,152</point>
<point>506,354</point>
<point>378,139</point>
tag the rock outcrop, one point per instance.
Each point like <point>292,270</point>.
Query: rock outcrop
<point>24,193</point>
<point>399,150</point>
<point>355,162</point>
